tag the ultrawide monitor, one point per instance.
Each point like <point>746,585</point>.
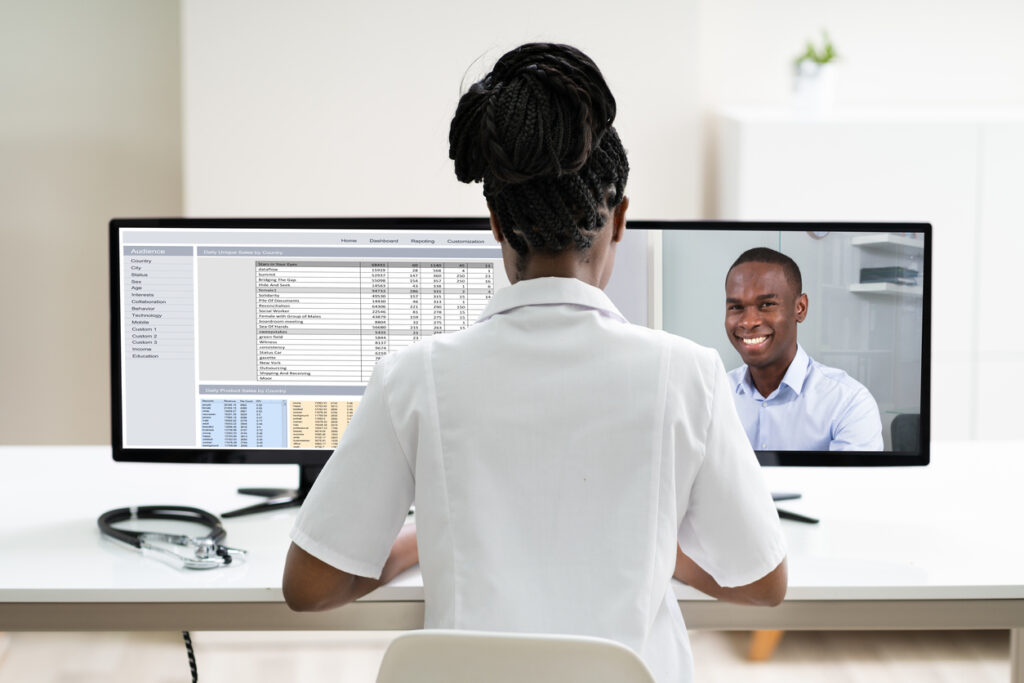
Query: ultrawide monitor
<point>251,340</point>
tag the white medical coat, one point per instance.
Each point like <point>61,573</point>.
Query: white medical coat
<point>555,454</point>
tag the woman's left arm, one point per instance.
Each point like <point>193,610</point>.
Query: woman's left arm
<point>312,585</point>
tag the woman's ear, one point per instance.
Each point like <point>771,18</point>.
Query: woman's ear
<point>495,226</point>
<point>619,220</point>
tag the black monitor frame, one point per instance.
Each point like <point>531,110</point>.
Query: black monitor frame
<point>311,459</point>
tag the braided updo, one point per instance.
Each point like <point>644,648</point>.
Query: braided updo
<point>537,131</point>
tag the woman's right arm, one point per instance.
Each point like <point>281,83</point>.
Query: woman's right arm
<point>767,591</point>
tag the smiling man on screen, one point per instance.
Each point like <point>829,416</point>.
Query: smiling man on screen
<point>785,399</point>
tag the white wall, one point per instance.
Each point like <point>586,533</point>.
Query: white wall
<point>893,54</point>
<point>338,108</point>
<point>89,129</point>
<point>326,108</point>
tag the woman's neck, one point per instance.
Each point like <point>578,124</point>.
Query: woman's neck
<point>565,264</point>
<point>593,265</point>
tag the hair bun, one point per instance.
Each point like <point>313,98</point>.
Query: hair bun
<point>541,112</point>
<point>537,131</point>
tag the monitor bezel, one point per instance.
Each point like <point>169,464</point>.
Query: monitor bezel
<point>314,457</point>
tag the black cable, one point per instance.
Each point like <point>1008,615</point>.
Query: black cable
<point>191,656</point>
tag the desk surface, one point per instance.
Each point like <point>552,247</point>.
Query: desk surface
<point>949,531</point>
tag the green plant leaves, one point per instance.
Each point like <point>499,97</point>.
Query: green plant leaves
<point>824,55</point>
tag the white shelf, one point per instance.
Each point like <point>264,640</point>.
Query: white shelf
<point>873,115</point>
<point>887,242</point>
<point>887,289</point>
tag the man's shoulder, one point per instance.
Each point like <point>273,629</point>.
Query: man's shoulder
<point>736,374</point>
<point>836,379</point>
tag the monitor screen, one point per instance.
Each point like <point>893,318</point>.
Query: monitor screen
<point>251,340</point>
<point>857,389</point>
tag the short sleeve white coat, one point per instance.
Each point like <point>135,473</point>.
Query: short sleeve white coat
<point>555,454</point>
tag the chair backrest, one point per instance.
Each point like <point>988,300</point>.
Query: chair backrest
<point>905,432</point>
<point>441,656</point>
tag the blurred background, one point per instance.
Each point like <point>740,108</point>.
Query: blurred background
<point>116,108</point>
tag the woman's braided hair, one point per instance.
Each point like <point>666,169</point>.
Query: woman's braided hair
<point>537,131</point>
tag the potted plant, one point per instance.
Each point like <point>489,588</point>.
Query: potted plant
<point>815,76</point>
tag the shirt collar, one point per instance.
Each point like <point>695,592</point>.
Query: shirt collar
<point>796,373</point>
<point>548,291</point>
<point>794,378</point>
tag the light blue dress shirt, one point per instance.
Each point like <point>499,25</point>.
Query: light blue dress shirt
<point>815,408</point>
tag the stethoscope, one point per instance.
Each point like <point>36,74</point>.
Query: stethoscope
<point>206,551</point>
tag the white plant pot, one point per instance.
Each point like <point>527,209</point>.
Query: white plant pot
<point>814,87</point>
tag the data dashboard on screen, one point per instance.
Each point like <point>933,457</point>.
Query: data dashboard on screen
<point>260,336</point>
<point>266,337</point>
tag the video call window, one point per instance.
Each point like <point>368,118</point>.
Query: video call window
<point>864,315</point>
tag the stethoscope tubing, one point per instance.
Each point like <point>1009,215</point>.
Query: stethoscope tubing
<point>208,551</point>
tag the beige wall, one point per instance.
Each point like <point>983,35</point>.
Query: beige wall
<point>359,93</point>
<point>317,107</point>
<point>90,129</point>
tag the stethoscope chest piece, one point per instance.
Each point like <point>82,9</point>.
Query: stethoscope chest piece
<point>196,552</point>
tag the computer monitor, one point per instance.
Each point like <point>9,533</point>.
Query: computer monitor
<point>251,340</point>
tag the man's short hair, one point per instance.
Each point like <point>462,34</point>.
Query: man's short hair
<point>766,255</point>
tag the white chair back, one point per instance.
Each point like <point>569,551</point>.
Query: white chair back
<point>441,656</point>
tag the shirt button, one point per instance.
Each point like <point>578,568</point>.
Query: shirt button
<point>764,446</point>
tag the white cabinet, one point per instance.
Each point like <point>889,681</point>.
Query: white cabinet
<point>1000,278</point>
<point>960,172</point>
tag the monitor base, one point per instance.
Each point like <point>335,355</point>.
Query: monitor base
<point>792,516</point>
<point>278,498</point>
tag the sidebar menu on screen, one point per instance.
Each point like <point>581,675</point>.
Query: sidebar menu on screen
<point>159,347</point>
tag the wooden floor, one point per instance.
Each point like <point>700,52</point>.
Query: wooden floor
<point>315,657</point>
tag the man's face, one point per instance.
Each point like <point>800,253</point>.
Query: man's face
<point>761,313</point>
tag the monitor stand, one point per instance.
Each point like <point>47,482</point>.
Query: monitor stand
<point>279,498</point>
<point>792,516</point>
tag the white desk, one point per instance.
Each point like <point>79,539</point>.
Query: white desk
<point>897,548</point>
